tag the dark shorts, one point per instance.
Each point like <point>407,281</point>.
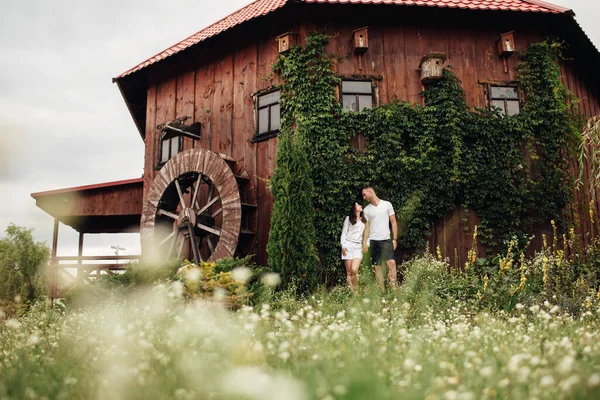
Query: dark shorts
<point>381,251</point>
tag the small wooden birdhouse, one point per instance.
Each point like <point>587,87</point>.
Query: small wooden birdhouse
<point>286,41</point>
<point>506,44</point>
<point>432,67</point>
<point>360,40</point>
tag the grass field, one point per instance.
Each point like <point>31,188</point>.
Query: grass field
<point>407,344</point>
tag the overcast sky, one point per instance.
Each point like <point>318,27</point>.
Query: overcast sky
<point>62,121</point>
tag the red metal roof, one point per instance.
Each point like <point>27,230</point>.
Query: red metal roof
<point>88,187</point>
<point>264,7</point>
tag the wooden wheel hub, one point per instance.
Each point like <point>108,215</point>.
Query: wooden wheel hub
<point>187,216</point>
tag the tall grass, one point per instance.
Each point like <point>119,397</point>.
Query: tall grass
<point>417,342</point>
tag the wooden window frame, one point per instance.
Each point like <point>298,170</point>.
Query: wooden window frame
<point>357,79</point>
<point>270,133</point>
<point>512,84</point>
<point>160,149</point>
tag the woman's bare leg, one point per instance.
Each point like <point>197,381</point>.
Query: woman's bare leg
<point>355,265</point>
<point>349,275</point>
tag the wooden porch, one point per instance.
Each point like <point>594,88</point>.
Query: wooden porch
<point>110,207</point>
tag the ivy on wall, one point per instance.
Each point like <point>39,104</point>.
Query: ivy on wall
<point>428,159</point>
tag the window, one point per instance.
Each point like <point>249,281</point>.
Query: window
<point>357,95</point>
<point>268,118</point>
<point>506,98</point>
<point>169,147</point>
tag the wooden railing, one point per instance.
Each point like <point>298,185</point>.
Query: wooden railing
<point>68,271</point>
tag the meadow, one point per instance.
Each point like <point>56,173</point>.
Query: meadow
<point>417,342</point>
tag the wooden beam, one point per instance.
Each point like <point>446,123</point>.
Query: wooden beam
<point>95,258</point>
<point>53,259</point>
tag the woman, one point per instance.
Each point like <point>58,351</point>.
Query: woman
<point>352,244</point>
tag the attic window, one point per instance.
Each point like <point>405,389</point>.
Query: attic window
<point>506,98</point>
<point>357,95</point>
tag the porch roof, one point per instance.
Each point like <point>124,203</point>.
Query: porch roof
<point>109,207</point>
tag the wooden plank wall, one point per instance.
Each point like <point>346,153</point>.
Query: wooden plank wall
<point>217,92</point>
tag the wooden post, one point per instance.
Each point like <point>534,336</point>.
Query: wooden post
<point>79,255</point>
<point>53,266</point>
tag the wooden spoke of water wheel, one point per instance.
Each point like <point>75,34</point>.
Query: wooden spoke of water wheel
<point>193,208</point>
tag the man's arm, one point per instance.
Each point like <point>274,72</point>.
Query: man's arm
<point>366,236</point>
<point>394,230</point>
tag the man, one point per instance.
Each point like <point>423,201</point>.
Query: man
<point>379,214</point>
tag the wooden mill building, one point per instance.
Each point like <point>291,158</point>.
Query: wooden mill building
<point>207,108</point>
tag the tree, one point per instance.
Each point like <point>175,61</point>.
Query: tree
<point>22,265</point>
<point>291,246</point>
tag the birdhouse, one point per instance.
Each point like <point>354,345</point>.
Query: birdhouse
<point>506,44</point>
<point>286,41</point>
<point>432,67</point>
<point>360,40</point>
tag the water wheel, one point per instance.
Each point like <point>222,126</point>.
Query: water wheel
<point>200,206</point>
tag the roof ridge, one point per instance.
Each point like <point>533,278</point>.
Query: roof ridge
<point>542,3</point>
<point>259,8</point>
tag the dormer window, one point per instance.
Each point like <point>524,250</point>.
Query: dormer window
<point>506,98</point>
<point>357,95</point>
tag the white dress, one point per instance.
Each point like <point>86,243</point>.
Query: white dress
<point>351,239</point>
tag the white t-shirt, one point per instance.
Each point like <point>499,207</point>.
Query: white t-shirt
<point>352,233</point>
<point>379,220</point>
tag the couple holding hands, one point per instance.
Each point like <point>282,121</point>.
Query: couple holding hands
<point>370,227</point>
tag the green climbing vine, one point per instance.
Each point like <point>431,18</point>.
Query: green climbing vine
<point>428,159</point>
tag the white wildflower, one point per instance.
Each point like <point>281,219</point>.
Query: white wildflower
<point>12,324</point>
<point>504,383</point>
<point>255,384</point>
<point>593,381</point>
<point>340,390</point>
<point>566,365</point>
<point>193,274</point>
<point>546,381</point>
<point>466,396</point>
<point>451,395</point>
<point>219,294</point>
<point>176,289</point>
<point>271,279</point>
<point>567,384</point>
<point>241,274</point>
<point>534,309</point>
<point>69,380</point>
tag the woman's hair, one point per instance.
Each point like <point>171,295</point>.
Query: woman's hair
<point>353,214</point>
